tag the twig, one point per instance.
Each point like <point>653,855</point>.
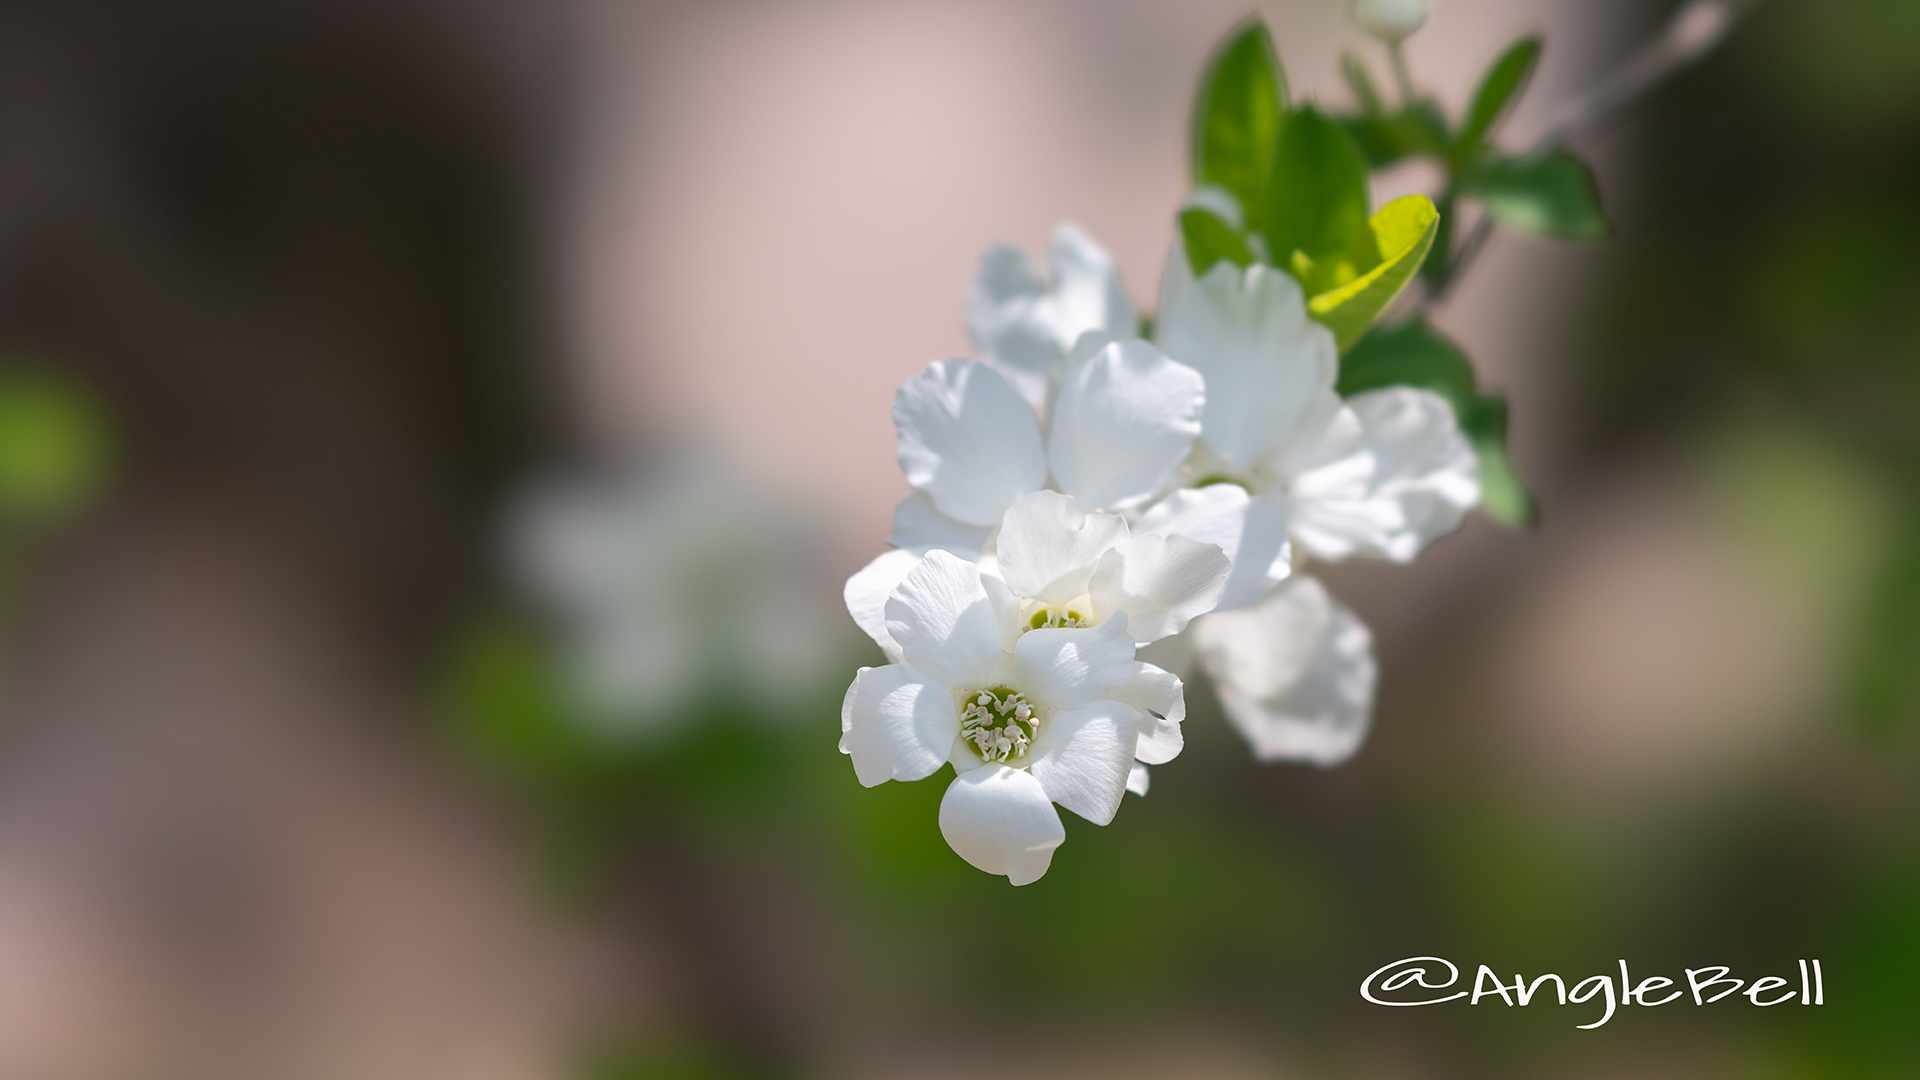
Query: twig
<point>1693,31</point>
<point>1400,74</point>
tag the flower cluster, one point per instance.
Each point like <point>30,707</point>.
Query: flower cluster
<point>1091,483</point>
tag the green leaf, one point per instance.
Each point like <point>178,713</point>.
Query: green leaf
<point>1418,355</point>
<point>1403,232</point>
<point>1502,494</point>
<point>1315,200</point>
<point>1498,89</point>
<point>1209,239</point>
<point>1553,195</point>
<point>1385,138</point>
<point>1413,354</point>
<point>1238,114</point>
<point>1435,267</point>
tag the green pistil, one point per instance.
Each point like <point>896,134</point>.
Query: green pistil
<point>1055,619</point>
<point>1219,478</point>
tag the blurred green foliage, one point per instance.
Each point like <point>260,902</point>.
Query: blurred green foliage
<point>53,445</point>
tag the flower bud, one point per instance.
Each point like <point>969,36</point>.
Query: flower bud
<point>1390,20</point>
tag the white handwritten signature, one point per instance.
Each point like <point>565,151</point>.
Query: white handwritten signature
<point>1418,975</point>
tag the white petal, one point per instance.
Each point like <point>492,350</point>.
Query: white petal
<point>896,724</point>
<point>1087,289</point>
<point>1423,465</point>
<point>1082,758</point>
<point>1160,582</point>
<point>1024,326</point>
<point>1048,546</point>
<point>947,625</point>
<point>1248,334</point>
<point>1217,201</point>
<point>867,591</point>
<point>1252,531</point>
<point>1161,701</point>
<point>1068,669</point>
<point>1139,779</point>
<point>1295,675</point>
<point>968,439</point>
<point>1001,821</point>
<point>1328,473</point>
<point>920,527</point>
<point>1122,424</point>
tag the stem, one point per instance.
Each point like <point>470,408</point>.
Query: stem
<point>1400,74</point>
<point>1693,31</point>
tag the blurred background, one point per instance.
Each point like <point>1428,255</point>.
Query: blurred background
<point>374,377</point>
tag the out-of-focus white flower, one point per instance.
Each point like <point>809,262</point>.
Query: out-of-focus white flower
<point>1390,20</point>
<point>1285,469</point>
<point>1025,680</point>
<point>1026,326</point>
<point>665,586</point>
<point>1295,673</point>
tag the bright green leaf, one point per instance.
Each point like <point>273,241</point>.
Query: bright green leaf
<point>1403,231</point>
<point>1238,114</point>
<point>1553,195</point>
<point>1498,89</point>
<point>1316,197</point>
<point>1502,495</point>
<point>1209,239</point>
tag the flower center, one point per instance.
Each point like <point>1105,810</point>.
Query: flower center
<point>999,723</point>
<point>1058,619</point>
<point>1220,478</point>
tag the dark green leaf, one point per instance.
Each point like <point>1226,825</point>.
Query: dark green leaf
<point>1378,139</point>
<point>1385,138</point>
<point>1418,355</point>
<point>1502,494</point>
<point>1498,88</point>
<point>1316,197</point>
<point>1208,240</point>
<point>1238,114</point>
<point>1435,268</point>
<point>1553,195</point>
<point>1413,354</point>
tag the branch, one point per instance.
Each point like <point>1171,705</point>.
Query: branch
<point>1693,31</point>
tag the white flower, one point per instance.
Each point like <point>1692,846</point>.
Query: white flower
<point>1284,468</point>
<point>1295,673</point>
<point>1390,20</point>
<point>1123,419</point>
<point>1380,475</point>
<point>645,573</point>
<point>1026,326</point>
<point>1025,680</point>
